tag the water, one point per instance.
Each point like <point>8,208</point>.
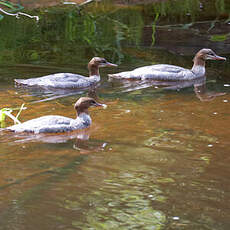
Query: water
<point>156,158</point>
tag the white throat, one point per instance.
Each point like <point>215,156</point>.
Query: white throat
<point>198,70</point>
<point>84,119</point>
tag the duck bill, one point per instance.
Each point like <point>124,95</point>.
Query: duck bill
<point>101,105</point>
<point>219,58</point>
<point>111,64</point>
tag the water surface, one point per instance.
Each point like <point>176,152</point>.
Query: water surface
<point>156,158</point>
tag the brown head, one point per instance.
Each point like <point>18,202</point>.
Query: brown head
<point>206,54</point>
<point>96,63</point>
<point>83,103</point>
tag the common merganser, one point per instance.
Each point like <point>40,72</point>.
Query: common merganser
<point>171,72</point>
<point>69,80</point>
<point>56,124</point>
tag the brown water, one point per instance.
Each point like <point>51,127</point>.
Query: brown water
<point>154,159</point>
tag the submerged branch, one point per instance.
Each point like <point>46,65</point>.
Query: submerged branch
<point>81,4</point>
<point>7,112</point>
<point>17,15</point>
<point>16,121</point>
<point>86,2</point>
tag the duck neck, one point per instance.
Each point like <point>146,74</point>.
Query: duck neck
<point>198,66</point>
<point>93,70</point>
<point>84,118</point>
<point>81,111</point>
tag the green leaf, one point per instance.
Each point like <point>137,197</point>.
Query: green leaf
<point>7,112</point>
<point>219,37</point>
<point>2,115</point>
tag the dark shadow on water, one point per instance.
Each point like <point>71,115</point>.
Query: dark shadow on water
<point>49,94</point>
<point>199,87</point>
<point>204,95</point>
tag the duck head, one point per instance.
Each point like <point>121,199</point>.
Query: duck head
<point>83,103</point>
<point>96,63</point>
<point>208,54</point>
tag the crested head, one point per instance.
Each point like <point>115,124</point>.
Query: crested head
<point>199,61</point>
<point>100,62</point>
<point>207,54</point>
<point>84,103</point>
<point>97,62</point>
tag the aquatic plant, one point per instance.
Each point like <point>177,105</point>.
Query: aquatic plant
<point>64,35</point>
<point>219,37</point>
<point>14,8</point>
<point>154,28</point>
<point>8,112</point>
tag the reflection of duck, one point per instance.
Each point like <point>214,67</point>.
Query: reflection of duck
<point>171,72</point>
<point>69,80</point>
<point>78,140</point>
<point>203,95</point>
<point>199,88</point>
<point>56,124</point>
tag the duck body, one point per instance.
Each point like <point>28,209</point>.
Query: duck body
<point>53,124</point>
<point>61,81</point>
<point>171,72</point>
<point>161,72</point>
<point>68,80</point>
<point>56,123</point>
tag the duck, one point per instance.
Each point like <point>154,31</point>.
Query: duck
<point>59,124</point>
<point>171,72</point>
<point>69,80</point>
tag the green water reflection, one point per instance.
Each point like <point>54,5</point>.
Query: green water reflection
<point>64,35</point>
